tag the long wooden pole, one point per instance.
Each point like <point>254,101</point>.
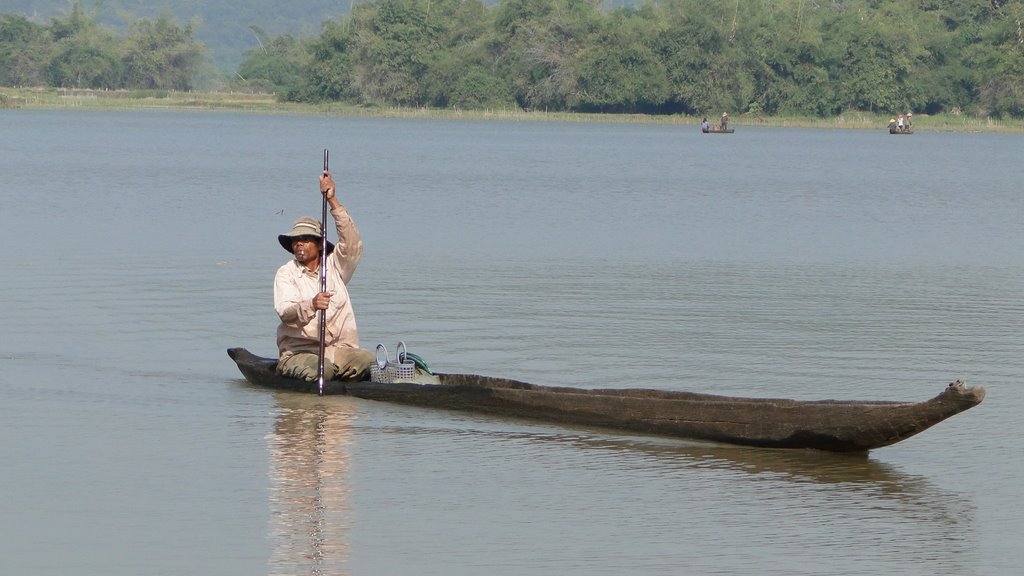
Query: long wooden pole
<point>323,286</point>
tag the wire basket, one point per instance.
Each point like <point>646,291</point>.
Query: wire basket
<point>385,371</point>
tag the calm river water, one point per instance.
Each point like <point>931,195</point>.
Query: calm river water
<point>138,246</point>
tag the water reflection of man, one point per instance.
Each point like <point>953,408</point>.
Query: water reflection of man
<point>309,472</point>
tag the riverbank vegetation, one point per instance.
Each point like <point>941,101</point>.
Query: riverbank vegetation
<point>769,61</point>
<point>83,99</point>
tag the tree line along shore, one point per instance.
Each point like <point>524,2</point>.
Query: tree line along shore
<point>957,63</point>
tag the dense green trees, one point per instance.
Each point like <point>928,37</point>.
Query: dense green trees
<point>75,51</point>
<point>223,26</point>
<point>700,57</point>
<point>24,52</point>
<point>675,56</point>
<point>281,67</point>
<point>159,54</point>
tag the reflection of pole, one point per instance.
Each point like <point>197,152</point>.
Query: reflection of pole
<point>309,480</point>
<point>317,506</point>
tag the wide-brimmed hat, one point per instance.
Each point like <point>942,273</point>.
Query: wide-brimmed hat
<point>304,226</point>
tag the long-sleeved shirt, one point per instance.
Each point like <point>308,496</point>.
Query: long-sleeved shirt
<point>294,289</point>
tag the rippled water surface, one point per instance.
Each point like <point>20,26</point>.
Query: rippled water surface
<point>811,264</point>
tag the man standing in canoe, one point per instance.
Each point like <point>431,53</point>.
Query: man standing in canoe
<point>297,299</point>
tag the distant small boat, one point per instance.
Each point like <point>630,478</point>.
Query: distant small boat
<point>898,130</point>
<point>719,131</point>
<point>832,425</point>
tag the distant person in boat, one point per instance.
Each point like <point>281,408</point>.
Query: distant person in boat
<point>892,124</point>
<point>704,126</point>
<point>907,122</point>
<point>724,123</point>
<point>899,122</point>
<point>297,299</point>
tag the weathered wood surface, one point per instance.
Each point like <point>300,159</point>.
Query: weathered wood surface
<point>834,425</point>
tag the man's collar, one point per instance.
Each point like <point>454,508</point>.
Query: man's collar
<point>304,270</point>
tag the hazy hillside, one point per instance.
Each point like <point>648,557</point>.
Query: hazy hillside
<point>222,25</point>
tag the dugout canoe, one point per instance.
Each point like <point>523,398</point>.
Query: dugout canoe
<point>833,425</point>
<point>719,131</point>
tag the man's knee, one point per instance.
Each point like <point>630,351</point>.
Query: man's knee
<point>354,363</point>
<point>306,366</point>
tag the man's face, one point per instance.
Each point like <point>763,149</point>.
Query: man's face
<point>306,248</point>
